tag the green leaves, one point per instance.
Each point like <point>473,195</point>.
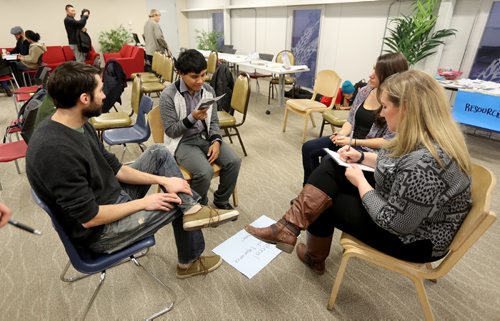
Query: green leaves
<point>412,35</point>
<point>114,39</point>
<point>207,40</point>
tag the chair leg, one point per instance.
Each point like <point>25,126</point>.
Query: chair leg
<point>312,120</point>
<point>323,123</point>
<point>304,134</point>
<point>94,295</point>
<point>338,280</point>
<point>241,142</point>
<point>17,167</point>
<point>226,130</point>
<point>123,153</point>
<point>422,297</point>
<point>235,195</point>
<point>170,305</point>
<point>269,94</point>
<point>285,119</point>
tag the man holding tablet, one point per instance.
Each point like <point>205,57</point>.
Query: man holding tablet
<point>193,133</point>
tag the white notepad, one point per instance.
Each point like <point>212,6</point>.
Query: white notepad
<point>336,157</point>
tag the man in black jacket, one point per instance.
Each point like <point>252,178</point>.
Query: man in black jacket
<point>22,44</point>
<point>73,27</point>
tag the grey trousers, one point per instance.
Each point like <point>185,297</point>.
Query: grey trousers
<point>192,154</point>
<point>79,56</point>
<point>119,234</point>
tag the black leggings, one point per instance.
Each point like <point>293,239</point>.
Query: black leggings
<point>348,214</point>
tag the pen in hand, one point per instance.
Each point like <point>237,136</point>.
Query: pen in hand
<point>24,227</point>
<point>350,139</point>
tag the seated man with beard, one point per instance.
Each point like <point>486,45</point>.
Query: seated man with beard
<point>101,203</point>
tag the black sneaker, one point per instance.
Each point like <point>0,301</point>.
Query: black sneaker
<point>223,206</point>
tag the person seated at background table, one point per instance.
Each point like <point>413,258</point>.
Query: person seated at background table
<point>420,194</point>
<point>22,44</point>
<point>345,97</point>
<point>102,204</point>
<point>33,60</point>
<point>193,135</point>
<point>370,129</point>
<point>5,71</point>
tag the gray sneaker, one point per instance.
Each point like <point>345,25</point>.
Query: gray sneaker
<point>208,217</point>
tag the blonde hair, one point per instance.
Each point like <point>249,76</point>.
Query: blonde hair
<point>424,119</point>
<point>154,12</point>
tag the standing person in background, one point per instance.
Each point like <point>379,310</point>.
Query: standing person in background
<point>83,39</point>
<point>73,27</point>
<point>153,36</point>
<point>22,44</point>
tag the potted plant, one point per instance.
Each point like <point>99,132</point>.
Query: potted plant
<point>114,39</point>
<point>207,40</point>
<point>413,35</point>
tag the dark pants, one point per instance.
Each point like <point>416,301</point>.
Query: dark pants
<point>348,214</point>
<point>312,152</point>
<point>149,63</point>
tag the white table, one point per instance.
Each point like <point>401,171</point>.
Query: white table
<point>277,69</point>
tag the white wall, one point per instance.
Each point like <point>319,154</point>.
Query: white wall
<point>46,18</point>
<point>351,32</point>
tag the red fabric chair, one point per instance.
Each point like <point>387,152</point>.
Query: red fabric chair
<point>131,59</point>
<point>12,152</point>
<point>54,56</point>
<point>68,53</point>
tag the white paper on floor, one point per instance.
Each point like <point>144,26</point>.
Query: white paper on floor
<point>246,253</point>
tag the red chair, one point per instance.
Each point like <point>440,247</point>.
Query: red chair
<point>54,56</point>
<point>12,151</point>
<point>70,55</point>
<point>131,59</point>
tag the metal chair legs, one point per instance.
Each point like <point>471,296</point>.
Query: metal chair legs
<point>169,306</point>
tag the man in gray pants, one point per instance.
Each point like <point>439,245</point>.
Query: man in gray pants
<point>193,134</point>
<point>73,27</point>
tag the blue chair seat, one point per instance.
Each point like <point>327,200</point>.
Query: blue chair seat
<point>88,262</point>
<point>133,135</point>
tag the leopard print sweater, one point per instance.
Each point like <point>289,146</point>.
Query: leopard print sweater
<point>417,199</point>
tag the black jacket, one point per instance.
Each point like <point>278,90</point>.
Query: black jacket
<point>84,42</point>
<point>114,82</point>
<point>73,27</point>
<point>22,47</point>
<point>223,83</point>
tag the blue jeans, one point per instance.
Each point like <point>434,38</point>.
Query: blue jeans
<point>312,152</point>
<point>119,234</point>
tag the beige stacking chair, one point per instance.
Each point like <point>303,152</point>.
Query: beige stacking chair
<point>476,223</point>
<point>327,83</point>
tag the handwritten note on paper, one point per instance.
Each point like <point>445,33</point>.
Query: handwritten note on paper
<point>246,253</point>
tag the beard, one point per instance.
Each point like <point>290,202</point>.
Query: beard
<point>93,110</point>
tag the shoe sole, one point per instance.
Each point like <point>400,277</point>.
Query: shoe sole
<point>282,246</point>
<point>213,268</point>
<point>207,222</point>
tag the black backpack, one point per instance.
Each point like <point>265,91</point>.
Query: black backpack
<point>26,116</point>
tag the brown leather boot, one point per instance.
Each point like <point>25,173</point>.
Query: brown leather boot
<point>305,209</point>
<point>315,252</point>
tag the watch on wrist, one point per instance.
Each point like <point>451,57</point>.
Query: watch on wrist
<point>362,158</point>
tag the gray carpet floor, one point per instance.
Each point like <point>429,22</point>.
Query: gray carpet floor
<point>270,176</point>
